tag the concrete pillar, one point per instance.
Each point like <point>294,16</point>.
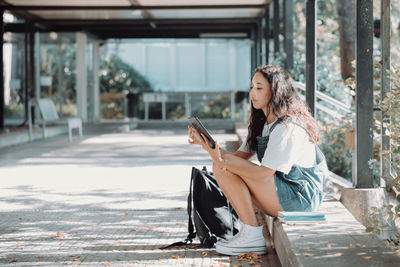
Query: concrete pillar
<point>81,76</point>
<point>361,201</point>
<point>37,71</point>
<point>96,82</point>
<point>60,71</point>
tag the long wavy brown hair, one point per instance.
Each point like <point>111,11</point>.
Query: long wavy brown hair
<point>285,102</point>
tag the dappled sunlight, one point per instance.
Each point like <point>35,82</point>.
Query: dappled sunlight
<point>100,236</point>
<point>113,198</point>
<point>70,187</point>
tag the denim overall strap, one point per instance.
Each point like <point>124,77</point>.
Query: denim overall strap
<point>262,141</point>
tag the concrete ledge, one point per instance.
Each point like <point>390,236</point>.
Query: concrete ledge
<point>211,124</point>
<point>340,242</point>
<point>21,137</point>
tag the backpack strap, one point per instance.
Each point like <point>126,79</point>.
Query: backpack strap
<point>192,234</point>
<point>279,120</point>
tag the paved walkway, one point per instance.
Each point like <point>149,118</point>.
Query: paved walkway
<point>110,199</point>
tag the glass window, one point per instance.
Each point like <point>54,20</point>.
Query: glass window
<point>217,66</point>
<point>158,66</point>
<point>189,67</point>
<point>243,66</point>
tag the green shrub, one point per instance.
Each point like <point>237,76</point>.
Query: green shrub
<point>339,158</point>
<point>112,105</point>
<point>116,79</point>
<point>14,110</point>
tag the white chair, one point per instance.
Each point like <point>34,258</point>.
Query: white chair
<point>49,113</point>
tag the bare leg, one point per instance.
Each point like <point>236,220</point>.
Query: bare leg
<point>242,192</point>
<point>238,194</point>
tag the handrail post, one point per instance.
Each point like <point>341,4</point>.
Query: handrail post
<point>364,95</point>
<point>288,22</point>
<point>311,54</point>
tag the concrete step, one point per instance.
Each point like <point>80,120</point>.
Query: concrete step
<point>342,241</point>
<point>22,136</point>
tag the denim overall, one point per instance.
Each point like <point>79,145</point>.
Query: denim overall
<point>301,188</point>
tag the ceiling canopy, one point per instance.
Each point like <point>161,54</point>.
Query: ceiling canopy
<point>143,18</point>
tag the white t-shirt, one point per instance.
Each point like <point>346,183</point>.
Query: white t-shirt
<point>288,145</point>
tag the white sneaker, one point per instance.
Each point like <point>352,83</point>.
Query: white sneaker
<point>249,239</point>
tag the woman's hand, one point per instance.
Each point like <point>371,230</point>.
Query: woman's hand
<point>200,139</point>
<point>194,137</point>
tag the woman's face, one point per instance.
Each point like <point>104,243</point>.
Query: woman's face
<point>260,92</point>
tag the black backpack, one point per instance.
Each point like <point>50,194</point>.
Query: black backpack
<point>213,215</point>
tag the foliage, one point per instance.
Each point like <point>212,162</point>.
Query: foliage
<point>386,216</point>
<point>391,107</point>
<point>48,67</point>
<point>328,54</point>
<point>116,79</point>
<point>176,111</point>
<point>112,105</point>
<point>333,145</point>
<point>69,74</point>
<point>118,76</point>
<point>14,110</point>
<point>215,111</point>
<point>384,223</point>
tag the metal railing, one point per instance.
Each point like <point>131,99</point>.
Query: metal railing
<point>336,103</point>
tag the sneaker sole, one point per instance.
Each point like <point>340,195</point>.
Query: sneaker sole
<point>238,251</point>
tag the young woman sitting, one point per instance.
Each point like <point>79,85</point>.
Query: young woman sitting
<point>283,134</point>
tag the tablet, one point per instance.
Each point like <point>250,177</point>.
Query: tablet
<point>196,123</point>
